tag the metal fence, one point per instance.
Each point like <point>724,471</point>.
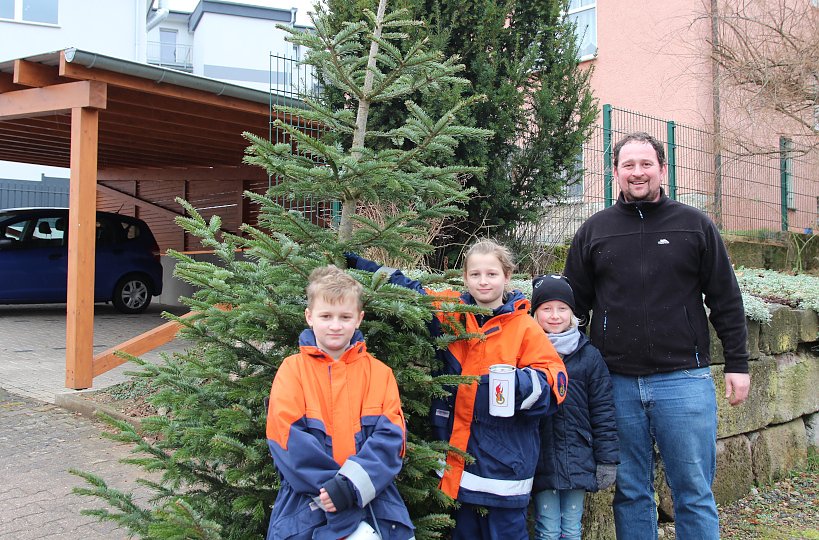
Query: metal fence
<point>21,194</point>
<point>290,82</point>
<point>758,194</point>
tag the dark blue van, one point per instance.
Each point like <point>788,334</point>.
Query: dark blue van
<point>34,255</point>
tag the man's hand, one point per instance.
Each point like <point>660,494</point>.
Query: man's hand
<point>736,387</point>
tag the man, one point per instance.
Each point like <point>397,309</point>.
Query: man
<point>642,267</point>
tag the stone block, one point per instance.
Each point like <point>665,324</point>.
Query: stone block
<point>808,325</point>
<point>797,380</point>
<point>735,476</point>
<point>598,518</point>
<point>777,450</point>
<point>812,430</point>
<point>757,411</point>
<point>753,338</point>
<point>782,333</point>
<point>752,343</point>
<point>716,350</point>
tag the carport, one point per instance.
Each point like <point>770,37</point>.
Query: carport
<point>134,136</point>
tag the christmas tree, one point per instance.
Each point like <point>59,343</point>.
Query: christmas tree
<point>211,473</point>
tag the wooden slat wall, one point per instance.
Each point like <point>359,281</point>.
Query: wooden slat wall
<point>210,198</point>
<point>168,234</point>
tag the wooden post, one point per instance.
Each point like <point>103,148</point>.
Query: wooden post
<point>82,220</point>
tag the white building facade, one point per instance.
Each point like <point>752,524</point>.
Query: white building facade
<point>234,42</point>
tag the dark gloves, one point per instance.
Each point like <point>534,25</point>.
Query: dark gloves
<point>341,492</point>
<point>351,259</point>
<point>606,475</point>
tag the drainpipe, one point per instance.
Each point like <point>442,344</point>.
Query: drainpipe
<point>293,11</point>
<point>158,16</point>
<point>716,118</point>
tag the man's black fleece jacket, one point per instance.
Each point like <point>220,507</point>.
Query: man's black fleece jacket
<point>642,269</point>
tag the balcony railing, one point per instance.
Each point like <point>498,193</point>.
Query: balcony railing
<point>172,55</point>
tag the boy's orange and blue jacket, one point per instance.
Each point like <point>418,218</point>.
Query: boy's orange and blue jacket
<point>329,418</point>
<point>505,449</point>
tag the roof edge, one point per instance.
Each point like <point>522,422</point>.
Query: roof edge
<point>170,76</point>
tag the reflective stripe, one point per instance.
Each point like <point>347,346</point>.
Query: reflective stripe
<point>386,270</point>
<point>536,390</point>
<point>494,486</point>
<point>360,479</point>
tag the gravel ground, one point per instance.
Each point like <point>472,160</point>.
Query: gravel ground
<point>786,510</point>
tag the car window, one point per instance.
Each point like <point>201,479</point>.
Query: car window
<point>13,231</point>
<point>45,232</point>
<point>48,231</point>
<point>128,230</point>
<point>106,234</point>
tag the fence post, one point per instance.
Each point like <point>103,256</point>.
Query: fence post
<point>784,176</point>
<point>607,157</point>
<point>672,159</point>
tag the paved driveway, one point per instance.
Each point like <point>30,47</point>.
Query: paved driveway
<point>39,442</point>
<point>32,345</point>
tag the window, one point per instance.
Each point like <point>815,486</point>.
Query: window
<point>6,9</point>
<point>573,190</point>
<point>583,13</point>
<point>167,46</point>
<point>39,11</point>
<point>46,231</point>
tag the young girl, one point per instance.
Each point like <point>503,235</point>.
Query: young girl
<point>579,450</point>
<point>494,490</point>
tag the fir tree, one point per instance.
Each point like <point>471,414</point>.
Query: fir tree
<point>212,473</point>
<point>523,56</point>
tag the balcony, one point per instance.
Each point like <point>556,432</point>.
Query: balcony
<point>170,55</point>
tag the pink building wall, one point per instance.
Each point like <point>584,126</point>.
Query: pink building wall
<point>654,59</point>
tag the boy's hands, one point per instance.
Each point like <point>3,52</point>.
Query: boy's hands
<point>326,500</point>
<point>340,494</point>
<point>351,258</point>
<point>605,475</point>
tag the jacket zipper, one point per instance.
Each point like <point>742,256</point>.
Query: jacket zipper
<point>643,281</point>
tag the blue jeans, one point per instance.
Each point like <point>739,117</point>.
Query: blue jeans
<point>558,512</point>
<point>678,411</point>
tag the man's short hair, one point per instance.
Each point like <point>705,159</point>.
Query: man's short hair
<point>333,285</point>
<point>641,137</point>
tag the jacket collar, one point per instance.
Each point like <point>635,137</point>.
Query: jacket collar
<point>640,206</point>
<point>308,346</point>
<point>513,301</point>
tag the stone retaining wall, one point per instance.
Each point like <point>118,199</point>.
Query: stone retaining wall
<point>769,435</point>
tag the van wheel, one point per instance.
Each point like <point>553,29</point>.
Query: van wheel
<point>132,294</point>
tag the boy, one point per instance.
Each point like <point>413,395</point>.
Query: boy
<point>335,427</point>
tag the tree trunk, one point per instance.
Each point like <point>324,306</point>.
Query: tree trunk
<point>345,229</point>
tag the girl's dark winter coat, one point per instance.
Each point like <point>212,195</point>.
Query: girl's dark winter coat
<point>582,433</point>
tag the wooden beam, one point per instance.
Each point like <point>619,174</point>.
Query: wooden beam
<point>35,75</point>
<point>141,344</point>
<point>7,83</point>
<point>57,98</point>
<point>242,172</point>
<point>82,219</point>
<point>126,197</point>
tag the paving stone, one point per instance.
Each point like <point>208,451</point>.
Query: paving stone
<point>40,442</point>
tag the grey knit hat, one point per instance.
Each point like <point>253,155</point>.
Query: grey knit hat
<point>551,287</point>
